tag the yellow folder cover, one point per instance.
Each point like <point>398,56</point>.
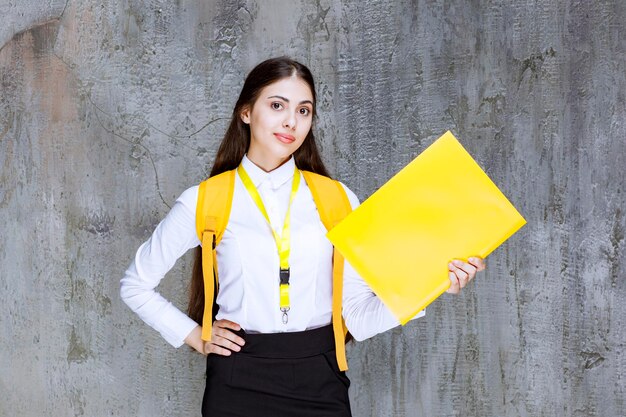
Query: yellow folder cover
<point>441,206</point>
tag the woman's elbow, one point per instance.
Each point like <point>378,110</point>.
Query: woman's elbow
<point>132,294</point>
<point>125,292</point>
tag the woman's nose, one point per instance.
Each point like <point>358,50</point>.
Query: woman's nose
<point>290,121</point>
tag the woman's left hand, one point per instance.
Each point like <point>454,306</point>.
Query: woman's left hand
<point>461,273</point>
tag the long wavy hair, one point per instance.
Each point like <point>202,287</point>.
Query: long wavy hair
<point>236,142</point>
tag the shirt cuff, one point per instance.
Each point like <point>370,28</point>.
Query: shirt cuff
<point>175,326</point>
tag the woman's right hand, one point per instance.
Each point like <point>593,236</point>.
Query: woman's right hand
<point>223,340</point>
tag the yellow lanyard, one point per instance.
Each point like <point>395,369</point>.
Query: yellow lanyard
<point>283,241</point>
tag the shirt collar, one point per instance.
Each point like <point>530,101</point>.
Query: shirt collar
<point>277,177</point>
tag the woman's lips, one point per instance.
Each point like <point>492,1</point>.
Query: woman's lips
<point>285,138</point>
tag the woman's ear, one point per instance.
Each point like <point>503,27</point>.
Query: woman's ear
<point>245,115</point>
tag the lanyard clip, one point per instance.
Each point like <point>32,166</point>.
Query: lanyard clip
<point>285,316</point>
<point>284,276</point>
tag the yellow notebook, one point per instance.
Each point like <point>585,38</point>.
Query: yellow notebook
<point>441,206</point>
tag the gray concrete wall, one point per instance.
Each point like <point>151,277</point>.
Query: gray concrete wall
<point>109,110</point>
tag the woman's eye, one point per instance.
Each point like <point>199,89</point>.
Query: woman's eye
<point>277,106</point>
<point>304,111</point>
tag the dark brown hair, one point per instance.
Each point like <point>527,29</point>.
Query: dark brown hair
<point>236,142</point>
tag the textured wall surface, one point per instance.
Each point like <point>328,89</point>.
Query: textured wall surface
<point>109,110</point>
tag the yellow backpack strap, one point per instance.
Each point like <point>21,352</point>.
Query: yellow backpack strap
<point>333,205</point>
<point>215,197</point>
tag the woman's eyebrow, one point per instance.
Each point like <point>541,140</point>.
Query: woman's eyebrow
<point>287,100</point>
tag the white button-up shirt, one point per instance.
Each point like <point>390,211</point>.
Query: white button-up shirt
<point>248,265</point>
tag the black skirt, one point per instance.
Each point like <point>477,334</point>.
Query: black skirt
<point>278,374</point>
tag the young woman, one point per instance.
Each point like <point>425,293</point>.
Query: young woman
<point>263,361</point>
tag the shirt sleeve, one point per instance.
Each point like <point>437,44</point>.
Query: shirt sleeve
<point>174,236</point>
<point>364,313</point>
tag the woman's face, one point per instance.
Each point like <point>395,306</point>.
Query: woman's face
<point>279,120</point>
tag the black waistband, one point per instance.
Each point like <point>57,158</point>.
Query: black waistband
<point>288,345</point>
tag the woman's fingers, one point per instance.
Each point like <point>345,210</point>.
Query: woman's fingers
<point>479,263</point>
<point>462,276</point>
<point>227,324</point>
<point>225,343</point>
<point>223,340</point>
<point>461,273</point>
<point>455,288</point>
<point>227,334</point>
<point>210,347</point>
<point>469,269</point>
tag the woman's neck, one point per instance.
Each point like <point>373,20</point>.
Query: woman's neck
<point>267,164</point>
